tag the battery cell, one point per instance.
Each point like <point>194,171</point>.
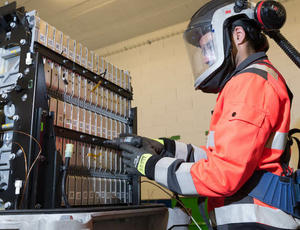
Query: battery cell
<point>78,192</point>
<point>60,113</point>
<point>98,162</point>
<point>103,158</point>
<point>114,199</point>
<point>127,108</point>
<point>104,127</point>
<point>109,128</point>
<point>97,189</point>
<point>59,145</point>
<point>87,155</point>
<point>118,104</point>
<point>80,154</point>
<point>108,191</point>
<point>94,93</point>
<point>93,124</point>
<point>121,79</point>
<point>68,116</point>
<point>69,81</point>
<point>101,66</point>
<point>123,191</point>
<point>72,49</point>
<point>100,97</point>
<point>78,53</point>
<point>121,165</point>
<point>90,60</point>
<point>112,160</point>
<point>99,125</point>
<point>65,45</point>
<point>119,125</point>
<point>84,56</point>
<point>51,37</point>
<point>88,96</point>
<point>81,120</point>
<point>103,195</point>
<point>118,192</point>
<point>91,157</point>
<point>84,189</point>
<point>54,76</point>
<point>71,190</point>
<point>109,100</point>
<point>75,115</point>
<point>58,41</point>
<point>61,80</point>
<point>43,30</point>
<point>47,71</point>
<point>87,121</point>
<point>94,159</point>
<point>114,128</point>
<point>74,154</point>
<point>91,197</point>
<point>82,88</point>
<point>76,87</point>
<point>107,159</point>
<point>53,108</point>
<point>116,161</point>
<point>105,99</point>
<point>96,64</point>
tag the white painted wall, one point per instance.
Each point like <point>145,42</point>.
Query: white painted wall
<point>163,85</point>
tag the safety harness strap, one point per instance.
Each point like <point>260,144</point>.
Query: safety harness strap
<point>278,191</point>
<point>290,141</point>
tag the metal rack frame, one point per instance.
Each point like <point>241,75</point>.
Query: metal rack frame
<point>29,96</point>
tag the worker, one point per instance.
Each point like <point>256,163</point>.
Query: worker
<point>248,128</point>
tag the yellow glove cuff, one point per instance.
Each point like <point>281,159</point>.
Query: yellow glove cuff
<point>142,162</point>
<point>160,141</point>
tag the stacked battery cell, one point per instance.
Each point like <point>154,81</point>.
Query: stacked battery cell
<point>85,107</point>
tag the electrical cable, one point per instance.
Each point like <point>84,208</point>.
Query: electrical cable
<point>64,178</point>
<point>34,162</point>
<point>179,201</point>
<point>25,157</point>
<point>25,165</point>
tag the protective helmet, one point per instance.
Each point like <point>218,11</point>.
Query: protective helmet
<point>208,40</point>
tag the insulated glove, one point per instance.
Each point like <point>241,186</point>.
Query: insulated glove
<point>135,159</point>
<point>151,145</point>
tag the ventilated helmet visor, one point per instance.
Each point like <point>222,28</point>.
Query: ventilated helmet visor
<point>201,49</point>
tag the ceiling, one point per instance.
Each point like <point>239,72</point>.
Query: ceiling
<point>99,23</point>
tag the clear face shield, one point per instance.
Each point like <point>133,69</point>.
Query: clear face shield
<point>201,49</point>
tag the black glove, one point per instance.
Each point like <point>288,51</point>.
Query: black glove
<point>148,144</point>
<point>135,159</point>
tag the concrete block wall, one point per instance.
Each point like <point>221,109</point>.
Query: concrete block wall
<point>163,84</point>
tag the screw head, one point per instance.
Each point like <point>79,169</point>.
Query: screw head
<point>7,205</point>
<point>12,24</point>
<point>16,117</point>
<point>20,75</point>
<point>22,41</point>
<point>26,71</point>
<point>24,97</point>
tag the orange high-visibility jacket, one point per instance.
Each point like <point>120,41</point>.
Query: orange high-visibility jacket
<point>248,132</point>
